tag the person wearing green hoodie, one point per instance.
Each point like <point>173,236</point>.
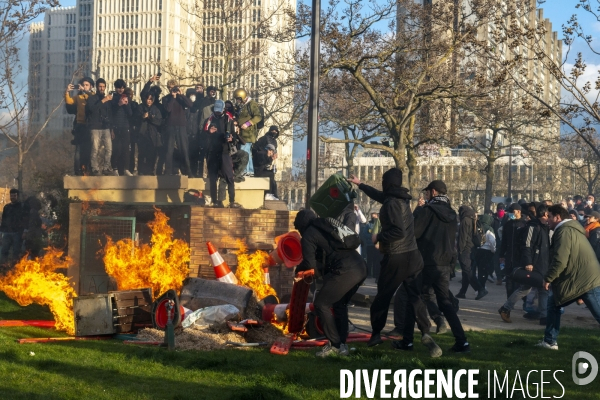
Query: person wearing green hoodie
<point>573,274</point>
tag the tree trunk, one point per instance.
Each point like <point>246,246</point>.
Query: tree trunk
<point>489,183</point>
<point>411,161</point>
<point>20,171</point>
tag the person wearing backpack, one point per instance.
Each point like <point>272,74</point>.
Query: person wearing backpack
<point>592,231</point>
<point>533,255</point>
<point>509,247</point>
<point>468,240</point>
<point>402,263</point>
<point>251,120</point>
<point>343,271</point>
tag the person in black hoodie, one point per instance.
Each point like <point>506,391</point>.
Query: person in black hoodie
<point>175,104</point>
<point>219,164</point>
<point>98,112</point>
<point>343,272</point>
<point>509,244</point>
<point>435,230</point>
<point>465,252</point>
<point>402,263</point>
<point>121,114</point>
<point>149,140</point>
<point>534,255</point>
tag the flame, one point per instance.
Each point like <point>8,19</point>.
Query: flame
<point>282,325</point>
<point>249,270</point>
<point>36,281</point>
<point>163,265</point>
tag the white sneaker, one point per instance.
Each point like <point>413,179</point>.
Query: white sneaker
<point>547,345</point>
<point>328,350</point>
<point>269,196</point>
<point>127,173</point>
<point>207,200</point>
<point>344,351</point>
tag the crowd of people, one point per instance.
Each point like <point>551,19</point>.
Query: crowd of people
<point>174,133</point>
<point>546,254</point>
<point>22,228</point>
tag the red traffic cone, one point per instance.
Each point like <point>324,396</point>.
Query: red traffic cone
<point>288,251</point>
<point>266,276</point>
<point>222,271</point>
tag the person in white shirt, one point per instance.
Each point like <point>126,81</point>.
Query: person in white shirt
<point>484,255</point>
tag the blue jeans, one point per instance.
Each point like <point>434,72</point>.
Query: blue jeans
<point>10,240</point>
<point>250,167</point>
<point>591,300</point>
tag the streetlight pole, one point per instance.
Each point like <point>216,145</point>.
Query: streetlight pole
<point>312,150</point>
<point>510,170</point>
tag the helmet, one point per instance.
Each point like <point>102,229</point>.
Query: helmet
<point>240,94</point>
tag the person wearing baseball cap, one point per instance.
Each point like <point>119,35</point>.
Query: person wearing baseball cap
<point>435,229</point>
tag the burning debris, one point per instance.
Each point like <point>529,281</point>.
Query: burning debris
<point>162,265</point>
<point>250,272</point>
<point>37,281</point>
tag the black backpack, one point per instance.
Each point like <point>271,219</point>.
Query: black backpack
<point>344,238</point>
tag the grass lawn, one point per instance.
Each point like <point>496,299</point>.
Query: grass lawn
<point>111,370</point>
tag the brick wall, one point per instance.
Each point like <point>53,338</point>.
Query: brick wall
<point>257,227</point>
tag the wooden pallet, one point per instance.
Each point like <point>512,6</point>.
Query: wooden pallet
<point>132,309</point>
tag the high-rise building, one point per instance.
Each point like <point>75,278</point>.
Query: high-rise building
<point>133,40</point>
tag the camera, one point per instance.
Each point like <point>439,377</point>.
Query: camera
<point>112,93</point>
<point>159,74</point>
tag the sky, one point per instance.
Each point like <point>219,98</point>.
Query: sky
<point>557,11</point>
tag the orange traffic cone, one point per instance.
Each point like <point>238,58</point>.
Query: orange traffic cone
<point>288,250</point>
<point>266,276</point>
<point>222,271</point>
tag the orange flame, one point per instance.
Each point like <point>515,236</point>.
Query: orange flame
<point>163,265</point>
<point>36,281</point>
<point>249,270</point>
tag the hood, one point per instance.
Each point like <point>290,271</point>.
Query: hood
<point>391,179</point>
<point>466,212</point>
<point>443,212</point>
<point>573,225</point>
<point>486,222</point>
<point>303,220</point>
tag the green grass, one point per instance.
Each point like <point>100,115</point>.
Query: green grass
<point>111,370</point>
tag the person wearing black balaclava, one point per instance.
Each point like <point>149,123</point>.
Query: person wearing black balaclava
<point>343,273</point>
<point>402,263</point>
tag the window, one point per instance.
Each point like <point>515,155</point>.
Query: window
<point>49,34</point>
<point>49,20</point>
<point>159,20</point>
<point>159,37</point>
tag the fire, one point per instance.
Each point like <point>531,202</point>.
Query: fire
<point>249,270</point>
<point>36,281</point>
<point>162,265</point>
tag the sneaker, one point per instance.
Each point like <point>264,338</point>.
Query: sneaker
<point>481,294</point>
<point>504,314</point>
<point>107,172</point>
<point>531,315</point>
<point>218,204</point>
<point>127,173</point>
<point>491,279</point>
<point>400,345</point>
<point>235,205</point>
<point>499,282</point>
<point>547,345</point>
<point>328,350</point>
<point>460,296</point>
<point>395,334</point>
<point>461,348</point>
<point>239,179</point>
<point>344,350</point>
<point>434,349</point>
<point>114,172</point>
<point>95,172</point>
<point>441,326</point>
<point>374,340</point>
<point>543,321</point>
<point>269,196</point>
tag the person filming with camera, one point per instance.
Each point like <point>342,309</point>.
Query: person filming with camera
<point>175,104</point>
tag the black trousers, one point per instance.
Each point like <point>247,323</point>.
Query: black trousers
<point>374,258</point>
<point>467,274</point>
<point>221,167</point>
<point>240,163</point>
<point>438,279</point>
<point>336,292</point>
<point>119,158</point>
<point>265,173</point>
<point>484,266</point>
<point>196,162</point>
<point>83,150</point>
<point>177,135</point>
<point>133,145</point>
<point>395,270</point>
<point>147,155</point>
<point>401,300</point>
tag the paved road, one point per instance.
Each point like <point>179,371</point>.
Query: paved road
<point>479,314</point>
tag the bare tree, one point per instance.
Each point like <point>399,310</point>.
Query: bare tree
<point>14,126</point>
